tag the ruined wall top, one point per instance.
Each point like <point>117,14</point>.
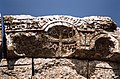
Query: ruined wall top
<point>91,23</point>
<point>93,37</point>
<point>60,47</point>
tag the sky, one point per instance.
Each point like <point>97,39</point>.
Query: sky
<point>76,8</point>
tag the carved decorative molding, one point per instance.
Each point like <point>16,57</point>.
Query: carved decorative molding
<point>61,36</point>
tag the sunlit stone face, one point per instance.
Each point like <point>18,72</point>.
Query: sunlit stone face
<point>61,36</point>
<point>62,39</point>
<point>61,31</point>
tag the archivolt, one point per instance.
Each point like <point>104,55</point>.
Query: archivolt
<point>105,35</point>
<point>56,23</point>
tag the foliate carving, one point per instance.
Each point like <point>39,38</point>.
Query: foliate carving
<point>61,36</point>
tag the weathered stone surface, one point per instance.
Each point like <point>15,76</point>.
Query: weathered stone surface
<point>63,47</point>
<point>105,74</point>
<point>15,69</point>
<point>19,72</point>
<point>104,70</point>
<point>15,62</point>
<point>62,36</point>
<point>60,68</point>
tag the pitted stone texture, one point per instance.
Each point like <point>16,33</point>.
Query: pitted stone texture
<point>15,62</point>
<point>25,22</point>
<point>37,44</point>
<point>3,62</point>
<point>16,69</point>
<point>62,36</point>
<point>19,72</point>
<point>60,68</point>
<point>105,74</point>
<point>104,70</point>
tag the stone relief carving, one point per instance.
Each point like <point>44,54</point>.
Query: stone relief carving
<point>62,47</point>
<point>61,36</point>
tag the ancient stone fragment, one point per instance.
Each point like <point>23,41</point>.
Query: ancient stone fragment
<point>60,47</point>
<point>62,36</point>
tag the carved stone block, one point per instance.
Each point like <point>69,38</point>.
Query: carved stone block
<point>60,68</point>
<point>62,36</point>
<point>16,69</point>
<point>104,70</point>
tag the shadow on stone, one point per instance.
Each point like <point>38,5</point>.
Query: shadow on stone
<point>11,63</point>
<point>102,69</point>
<point>101,51</point>
<point>30,46</point>
<point>81,66</point>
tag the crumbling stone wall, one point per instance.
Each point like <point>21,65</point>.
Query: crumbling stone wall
<point>62,68</point>
<point>61,47</point>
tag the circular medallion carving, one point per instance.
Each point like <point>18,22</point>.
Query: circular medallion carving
<point>63,39</point>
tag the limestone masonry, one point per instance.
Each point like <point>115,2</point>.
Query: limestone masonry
<point>63,47</point>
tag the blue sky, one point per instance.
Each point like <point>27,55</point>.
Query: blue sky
<point>77,8</point>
